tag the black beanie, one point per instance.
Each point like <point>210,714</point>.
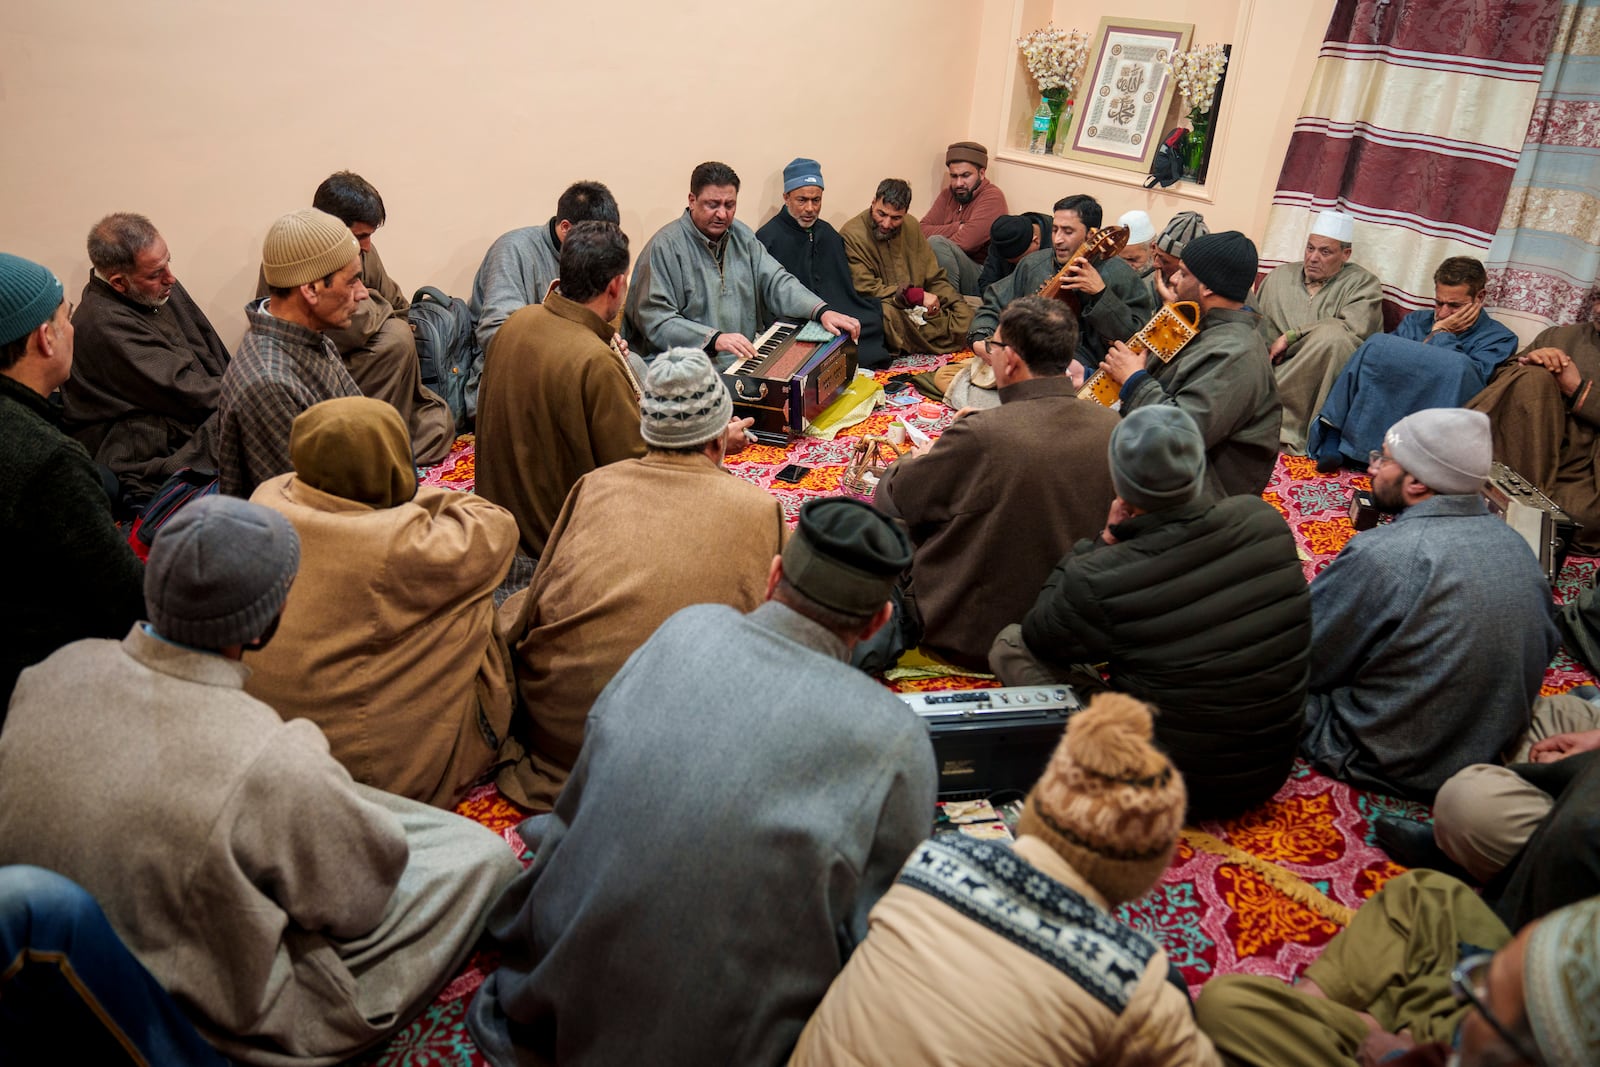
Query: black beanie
<point>1010,235</point>
<point>1223,262</point>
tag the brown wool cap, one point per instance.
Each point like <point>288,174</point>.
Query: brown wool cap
<point>1110,803</point>
<point>846,555</point>
<point>305,245</point>
<point>967,152</point>
<point>355,448</point>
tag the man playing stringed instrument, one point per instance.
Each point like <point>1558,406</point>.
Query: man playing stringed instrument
<point>1112,302</point>
<point>1222,378</point>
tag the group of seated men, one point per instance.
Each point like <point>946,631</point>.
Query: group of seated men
<point>1045,536</point>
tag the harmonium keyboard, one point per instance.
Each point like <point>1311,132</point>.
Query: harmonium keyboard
<point>988,741</point>
<point>1541,522</point>
<point>797,371</point>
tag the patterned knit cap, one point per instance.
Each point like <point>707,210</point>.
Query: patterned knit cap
<point>685,403</point>
<point>1561,984</point>
<point>219,572</point>
<point>305,245</point>
<point>1109,802</point>
<point>1182,228</point>
<point>29,295</point>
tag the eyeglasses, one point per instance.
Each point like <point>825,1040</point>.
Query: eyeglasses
<point>1376,458</point>
<point>1467,983</point>
<point>996,345</point>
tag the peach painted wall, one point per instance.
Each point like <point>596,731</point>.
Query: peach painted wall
<point>215,117</point>
<point>1274,47</point>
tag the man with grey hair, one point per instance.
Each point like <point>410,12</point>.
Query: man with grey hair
<point>742,799</point>
<point>294,913</point>
<point>147,365</point>
<point>1314,315</point>
<point>891,262</point>
<point>584,615</point>
<point>311,264</point>
<point>1430,636</point>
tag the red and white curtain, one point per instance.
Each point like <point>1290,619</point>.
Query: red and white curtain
<point>1413,125</point>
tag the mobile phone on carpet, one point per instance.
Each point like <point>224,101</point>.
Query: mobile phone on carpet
<point>793,473</point>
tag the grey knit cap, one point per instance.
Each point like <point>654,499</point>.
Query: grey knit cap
<point>1182,228</point>
<point>1446,449</point>
<point>1158,458</point>
<point>685,403</point>
<point>219,572</point>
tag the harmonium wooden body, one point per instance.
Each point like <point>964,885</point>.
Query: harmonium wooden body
<point>1541,522</point>
<point>790,380</point>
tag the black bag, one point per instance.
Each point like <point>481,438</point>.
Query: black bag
<point>186,484</point>
<point>447,351</point>
<point>1167,167</point>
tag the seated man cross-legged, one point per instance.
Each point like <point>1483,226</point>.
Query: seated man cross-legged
<point>1198,606</point>
<point>742,799</point>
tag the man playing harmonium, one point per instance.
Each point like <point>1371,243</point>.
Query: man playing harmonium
<point>1113,302</point>
<point>705,282</point>
<point>891,262</point>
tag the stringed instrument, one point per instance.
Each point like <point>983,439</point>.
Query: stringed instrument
<point>1098,247</point>
<point>1165,335</point>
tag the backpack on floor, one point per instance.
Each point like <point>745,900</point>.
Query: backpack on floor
<point>186,484</point>
<point>447,351</point>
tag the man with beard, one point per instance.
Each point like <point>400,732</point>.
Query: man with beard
<point>812,250</point>
<point>957,225</point>
<point>1545,411</point>
<point>1221,378</point>
<point>1114,303</point>
<point>704,281</point>
<point>890,261</point>
<point>1314,315</point>
<point>1430,635</point>
<point>147,366</point>
<point>1166,253</point>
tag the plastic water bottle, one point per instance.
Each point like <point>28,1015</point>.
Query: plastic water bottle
<point>1041,128</point>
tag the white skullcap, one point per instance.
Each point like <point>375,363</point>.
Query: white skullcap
<point>1141,231</point>
<point>1335,224</point>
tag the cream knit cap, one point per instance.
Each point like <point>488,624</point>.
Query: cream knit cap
<point>305,245</point>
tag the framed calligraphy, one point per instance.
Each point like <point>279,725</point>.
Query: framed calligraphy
<point>1122,104</point>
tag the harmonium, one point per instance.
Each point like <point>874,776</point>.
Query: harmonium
<point>988,741</point>
<point>1541,522</point>
<point>797,371</point>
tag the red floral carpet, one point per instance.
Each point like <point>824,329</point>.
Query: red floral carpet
<point>1259,894</point>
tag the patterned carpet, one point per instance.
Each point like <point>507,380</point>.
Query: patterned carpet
<point>1259,894</point>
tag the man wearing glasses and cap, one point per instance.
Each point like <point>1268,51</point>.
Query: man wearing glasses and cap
<point>1424,974</point>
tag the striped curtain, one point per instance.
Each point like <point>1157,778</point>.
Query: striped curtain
<point>1545,261</point>
<point>1413,125</point>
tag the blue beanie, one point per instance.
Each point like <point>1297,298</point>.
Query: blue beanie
<point>29,295</point>
<point>802,172</point>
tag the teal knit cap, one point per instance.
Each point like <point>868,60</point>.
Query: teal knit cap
<point>29,295</point>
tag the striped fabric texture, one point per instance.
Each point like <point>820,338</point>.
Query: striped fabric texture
<point>1413,125</point>
<point>1545,261</point>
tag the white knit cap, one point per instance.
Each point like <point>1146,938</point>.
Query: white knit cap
<point>1446,449</point>
<point>1140,229</point>
<point>1335,224</point>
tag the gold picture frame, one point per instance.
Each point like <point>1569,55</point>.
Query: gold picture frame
<point>1118,118</point>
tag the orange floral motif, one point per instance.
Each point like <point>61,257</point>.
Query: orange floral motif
<point>1264,918</point>
<point>1326,537</point>
<point>1372,879</point>
<point>1291,830</point>
<point>488,808</point>
<point>1276,500</point>
<point>1300,468</point>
